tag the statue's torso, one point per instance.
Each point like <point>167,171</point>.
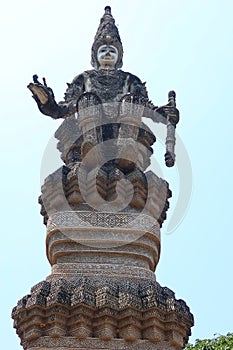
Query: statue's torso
<point>108,85</point>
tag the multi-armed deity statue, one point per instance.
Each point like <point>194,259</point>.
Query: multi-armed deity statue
<point>103,212</point>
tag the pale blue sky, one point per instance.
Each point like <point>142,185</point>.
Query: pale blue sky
<point>184,45</point>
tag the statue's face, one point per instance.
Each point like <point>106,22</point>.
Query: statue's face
<point>107,56</point>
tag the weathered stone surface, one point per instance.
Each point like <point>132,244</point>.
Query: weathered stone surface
<point>70,343</point>
<point>103,212</point>
<point>103,308</point>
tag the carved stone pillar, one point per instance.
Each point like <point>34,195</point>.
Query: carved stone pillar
<point>103,214</point>
<point>102,292</point>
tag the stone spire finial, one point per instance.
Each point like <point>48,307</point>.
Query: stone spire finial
<point>107,10</point>
<point>107,33</point>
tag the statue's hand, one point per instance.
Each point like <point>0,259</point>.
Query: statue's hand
<point>169,111</point>
<point>44,97</point>
<point>40,93</point>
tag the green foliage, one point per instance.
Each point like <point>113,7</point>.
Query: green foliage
<point>222,342</point>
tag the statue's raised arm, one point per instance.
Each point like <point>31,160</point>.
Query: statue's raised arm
<point>44,97</point>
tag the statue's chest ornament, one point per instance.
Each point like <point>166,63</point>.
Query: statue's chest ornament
<point>107,86</point>
<point>109,80</point>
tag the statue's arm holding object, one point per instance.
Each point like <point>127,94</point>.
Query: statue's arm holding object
<point>168,115</point>
<point>171,114</point>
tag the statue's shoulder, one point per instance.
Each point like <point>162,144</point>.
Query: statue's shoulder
<point>78,79</point>
<point>136,86</point>
<point>131,77</point>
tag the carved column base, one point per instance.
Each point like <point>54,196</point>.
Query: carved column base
<point>90,313</point>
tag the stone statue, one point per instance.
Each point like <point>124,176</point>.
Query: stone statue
<point>107,83</point>
<point>103,211</point>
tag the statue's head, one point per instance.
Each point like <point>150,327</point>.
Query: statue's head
<point>107,42</point>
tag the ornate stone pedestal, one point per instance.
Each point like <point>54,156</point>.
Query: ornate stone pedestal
<point>102,292</point>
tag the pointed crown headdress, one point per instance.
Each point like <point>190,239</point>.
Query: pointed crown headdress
<point>107,33</point>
